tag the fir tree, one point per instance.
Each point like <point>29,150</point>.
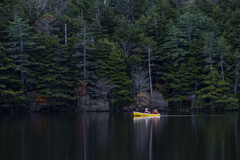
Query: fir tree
<point>223,51</point>
<point>209,50</point>
<point>118,76</point>
<point>19,45</point>
<point>173,46</point>
<point>53,79</point>
<point>216,89</point>
<point>9,82</point>
<point>85,42</point>
<point>182,81</point>
<point>236,64</point>
<point>103,50</point>
<point>187,24</point>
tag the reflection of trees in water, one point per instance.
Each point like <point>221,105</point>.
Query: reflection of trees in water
<point>236,136</point>
<point>39,124</point>
<point>107,136</point>
<point>145,130</point>
<point>114,136</point>
<point>206,137</point>
<point>215,133</point>
<point>92,134</point>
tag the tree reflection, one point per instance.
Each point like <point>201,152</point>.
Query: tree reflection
<point>118,136</point>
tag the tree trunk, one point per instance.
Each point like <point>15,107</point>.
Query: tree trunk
<point>65,34</point>
<point>21,43</point>
<point>66,52</point>
<point>236,74</point>
<point>149,69</point>
<point>84,54</point>
<point>210,57</point>
<point>222,67</point>
<point>189,35</point>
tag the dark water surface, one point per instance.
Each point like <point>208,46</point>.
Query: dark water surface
<point>119,136</point>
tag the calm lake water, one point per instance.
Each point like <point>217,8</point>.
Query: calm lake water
<point>119,136</point>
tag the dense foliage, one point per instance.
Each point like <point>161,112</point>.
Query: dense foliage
<point>189,48</point>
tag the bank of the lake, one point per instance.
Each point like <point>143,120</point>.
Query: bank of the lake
<point>131,108</point>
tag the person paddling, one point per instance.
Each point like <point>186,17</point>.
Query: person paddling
<point>155,112</point>
<point>146,111</point>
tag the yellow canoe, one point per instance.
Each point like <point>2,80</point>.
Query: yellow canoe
<point>145,114</point>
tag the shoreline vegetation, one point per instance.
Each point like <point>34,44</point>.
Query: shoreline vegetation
<point>76,109</point>
<point>117,55</point>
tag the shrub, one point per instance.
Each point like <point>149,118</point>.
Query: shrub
<point>157,100</point>
<point>199,103</point>
<point>142,100</point>
<point>213,104</point>
<point>232,104</point>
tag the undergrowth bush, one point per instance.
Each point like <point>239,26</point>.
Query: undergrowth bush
<point>232,104</point>
<point>199,103</point>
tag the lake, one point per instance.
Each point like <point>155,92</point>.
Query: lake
<point>119,136</point>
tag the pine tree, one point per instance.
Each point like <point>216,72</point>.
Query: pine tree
<point>193,25</point>
<point>232,27</point>
<point>32,11</point>
<point>216,89</point>
<point>187,24</point>
<point>8,81</point>
<point>174,45</point>
<point>123,34</point>
<point>118,75</point>
<point>209,50</point>
<point>19,45</point>
<point>112,65</point>
<point>132,9</point>
<point>223,51</point>
<point>108,21</point>
<point>236,64</point>
<point>103,50</point>
<point>85,42</point>
<point>96,28</point>
<point>74,8</point>
<point>205,6</point>
<point>217,15</point>
<point>182,81</point>
<point>53,79</point>
<point>155,24</point>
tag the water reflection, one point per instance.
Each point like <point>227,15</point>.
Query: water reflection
<point>143,129</point>
<point>118,136</point>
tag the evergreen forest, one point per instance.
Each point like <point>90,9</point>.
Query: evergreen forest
<point>98,54</point>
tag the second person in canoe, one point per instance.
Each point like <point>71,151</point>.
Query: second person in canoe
<point>155,112</point>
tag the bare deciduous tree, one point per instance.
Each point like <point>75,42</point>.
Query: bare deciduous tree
<point>102,89</point>
<point>140,81</point>
<point>45,25</point>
